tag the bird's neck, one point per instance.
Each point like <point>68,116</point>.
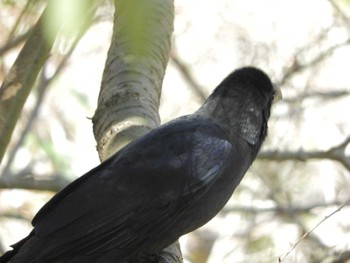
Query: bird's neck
<point>238,119</point>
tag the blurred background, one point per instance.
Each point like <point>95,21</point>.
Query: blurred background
<point>302,177</point>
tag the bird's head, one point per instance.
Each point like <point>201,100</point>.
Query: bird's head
<point>242,103</point>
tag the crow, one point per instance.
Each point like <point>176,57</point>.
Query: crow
<point>159,187</point>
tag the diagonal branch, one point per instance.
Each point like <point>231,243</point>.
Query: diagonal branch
<point>24,72</point>
<point>340,12</point>
<point>15,41</point>
<point>307,233</point>
<point>297,66</point>
<point>183,69</point>
<point>20,79</point>
<point>43,85</point>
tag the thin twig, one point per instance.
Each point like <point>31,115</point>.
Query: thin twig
<point>19,18</point>
<point>297,66</point>
<point>184,70</point>
<point>15,41</point>
<point>320,95</point>
<point>20,79</point>
<point>279,208</point>
<point>42,87</point>
<point>307,233</point>
<point>342,15</point>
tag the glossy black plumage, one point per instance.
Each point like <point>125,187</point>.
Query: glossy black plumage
<point>159,187</point>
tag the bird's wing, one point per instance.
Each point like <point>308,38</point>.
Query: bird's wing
<point>137,192</point>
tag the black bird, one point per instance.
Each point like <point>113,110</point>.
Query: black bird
<point>161,186</point>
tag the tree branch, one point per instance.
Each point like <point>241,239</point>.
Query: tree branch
<point>340,12</point>
<point>297,66</point>
<point>43,85</point>
<point>14,42</point>
<point>26,180</point>
<point>23,74</point>
<point>280,208</point>
<point>183,69</point>
<point>336,153</point>
<point>19,81</point>
<point>326,95</point>
<point>307,233</point>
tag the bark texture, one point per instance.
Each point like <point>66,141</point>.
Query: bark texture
<point>131,85</point>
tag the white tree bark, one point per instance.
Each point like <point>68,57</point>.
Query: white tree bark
<point>131,84</point>
<point>133,75</point>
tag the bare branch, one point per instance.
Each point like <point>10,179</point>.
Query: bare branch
<point>336,153</point>
<point>24,12</point>
<point>293,216</point>
<point>14,42</point>
<point>184,70</point>
<point>328,95</point>
<point>297,66</point>
<point>26,180</point>
<point>342,15</point>
<point>15,215</point>
<point>19,81</point>
<point>307,233</point>
<point>30,121</point>
<point>280,208</point>
<point>42,88</point>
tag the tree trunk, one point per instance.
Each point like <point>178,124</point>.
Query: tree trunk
<point>131,84</point>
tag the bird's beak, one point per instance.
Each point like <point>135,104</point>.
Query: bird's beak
<point>278,93</point>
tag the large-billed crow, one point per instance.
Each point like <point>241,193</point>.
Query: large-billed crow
<point>161,186</point>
